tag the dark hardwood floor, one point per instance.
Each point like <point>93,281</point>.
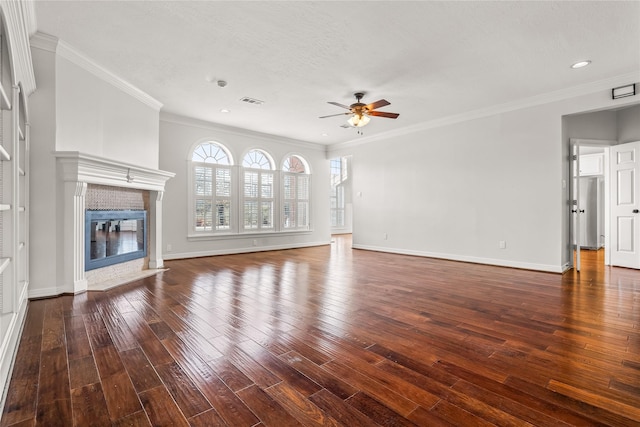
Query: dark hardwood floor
<point>334,336</point>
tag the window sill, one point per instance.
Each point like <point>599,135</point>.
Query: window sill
<point>246,235</point>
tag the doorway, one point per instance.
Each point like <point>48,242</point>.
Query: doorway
<point>605,210</point>
<point>590,222</point>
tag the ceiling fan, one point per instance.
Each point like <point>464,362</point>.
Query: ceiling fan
<point>359,111</point>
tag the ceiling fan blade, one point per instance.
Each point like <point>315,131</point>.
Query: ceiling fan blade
<point>383,114</point>
<point>333,115</point>
<point>337,104</point>
<point>377,104</point>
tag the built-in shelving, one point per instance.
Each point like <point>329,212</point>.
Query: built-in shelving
<point>4,263</point>
<point>5,104</point>
<point>4,155</point>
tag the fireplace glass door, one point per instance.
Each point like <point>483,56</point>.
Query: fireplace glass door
<point>113,237</point>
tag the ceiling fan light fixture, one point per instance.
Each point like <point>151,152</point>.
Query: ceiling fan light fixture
<point>357,121</point>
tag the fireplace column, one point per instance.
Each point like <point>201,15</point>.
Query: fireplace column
<point>74,280</point>
<point>155,229</point>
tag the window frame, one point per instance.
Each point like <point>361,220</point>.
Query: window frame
<point>236,229</point>
<point>265,170</point>
<point>295,175</point>
<point>213,197</point>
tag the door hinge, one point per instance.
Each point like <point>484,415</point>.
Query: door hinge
<point>574,202</point>
<point>574,157</point>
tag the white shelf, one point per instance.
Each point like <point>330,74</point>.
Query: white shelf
<point>5,104</point>
<point>21,134</point>
<point>5,207</point>
<point>20,246</point>
<point>20,208</point>
<point>20,171</point>
<point>4,262</point>
<point>3,154</point>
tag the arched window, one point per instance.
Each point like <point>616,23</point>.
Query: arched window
<point>258,195</point>
<point>296,193</point>
<point>212,188</point>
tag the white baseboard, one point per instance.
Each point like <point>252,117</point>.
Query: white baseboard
<point>466,258</point>
<point>183,255</point>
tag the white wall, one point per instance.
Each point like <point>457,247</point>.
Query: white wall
<point>179,135</point>
<point>95,117</point>
<point>44,210</point>
<point>629,125</point>
<point>601,125</point>
<point>454,191</point>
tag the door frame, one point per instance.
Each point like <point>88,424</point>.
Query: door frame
<point>602,143</point>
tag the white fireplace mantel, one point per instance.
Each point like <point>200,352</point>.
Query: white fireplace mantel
<point>76,170</point>
<point>80,167</point>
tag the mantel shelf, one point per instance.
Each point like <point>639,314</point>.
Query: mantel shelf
<point>4,155</point>
<point>4,262</point>
<point>5,104</point>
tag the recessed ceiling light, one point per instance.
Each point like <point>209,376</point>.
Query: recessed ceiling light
<point>581,64</point>
<point>224,110</point>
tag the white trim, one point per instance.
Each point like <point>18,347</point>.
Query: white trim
<point>18,42</point>
<point>541,99</point>
<point>9,347</point>
<point>91,169</point>
<point>66,51</point>
<point>216,252</point>
<point>30,18</point>
<point>465,258</point>
<point>215,127</point>
<point>247,235</point>
<point>50,292</point>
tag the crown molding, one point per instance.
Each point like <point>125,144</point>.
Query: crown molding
<point>18,18</point>
<point>66,51</point>
<point>545,98</point>
<point>216,127</point>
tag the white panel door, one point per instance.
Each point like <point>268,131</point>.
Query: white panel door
<point>625,205</point>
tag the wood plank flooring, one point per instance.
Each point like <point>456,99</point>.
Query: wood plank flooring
<point>333,336</point>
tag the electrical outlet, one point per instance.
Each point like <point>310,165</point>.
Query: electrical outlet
<point>169,247</point>
<point>385,236</point>
<point>502,244</point>
<point>255,242</point>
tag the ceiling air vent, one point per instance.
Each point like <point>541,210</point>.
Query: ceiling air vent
<point>251,100</point>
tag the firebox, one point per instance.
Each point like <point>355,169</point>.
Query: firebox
<point>114,236</point>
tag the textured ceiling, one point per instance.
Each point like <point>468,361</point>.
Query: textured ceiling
<point>429,59</point>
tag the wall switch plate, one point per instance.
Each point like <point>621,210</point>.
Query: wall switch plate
<point>502,244</point>
<point>169,247</point>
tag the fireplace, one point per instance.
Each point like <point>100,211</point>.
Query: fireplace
<point>90,187</point>
<point>113,237</point>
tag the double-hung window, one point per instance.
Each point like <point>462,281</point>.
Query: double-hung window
<point>296,194</point>
<point>212,188</point>
<point>258,196</point>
